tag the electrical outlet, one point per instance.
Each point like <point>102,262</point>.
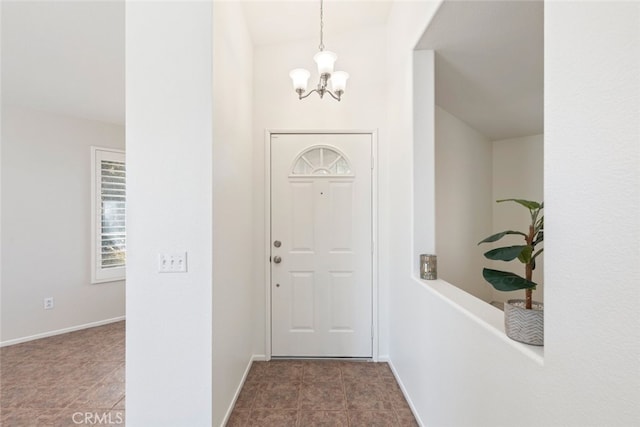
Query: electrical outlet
<point>48,303</point>
<point>172,263</point>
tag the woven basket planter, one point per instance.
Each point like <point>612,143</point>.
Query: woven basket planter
<point>525,326</point>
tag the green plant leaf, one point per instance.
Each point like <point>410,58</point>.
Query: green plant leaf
<point>526,203</point>
<point>498,236</point>
<point>525,255</point>
<point>507,253</point>
<point>505,281</point>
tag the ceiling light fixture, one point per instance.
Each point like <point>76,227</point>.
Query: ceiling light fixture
<point>325,60</point>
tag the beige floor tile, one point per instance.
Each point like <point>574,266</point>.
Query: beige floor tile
<point>310,418</point>
<point>238,418</point>
<point>117,374</point>
<point>19,417</point>
<point>372,419</point>
<point>54,397</point>
<point>324,371</point>
<point>247,396</point>
<point>101,396</point>
<point>329,393</point>
<point>16,396</point>
<point>284,371</point>
<point>278,395</point>
<point>44,382</point>
<point>121,404</point>
<point>272,418</point>
<point>327,396</point>
<point>257,373</point>
<point>81,374</point>
<point>363,396</point>
<point>359,371</point>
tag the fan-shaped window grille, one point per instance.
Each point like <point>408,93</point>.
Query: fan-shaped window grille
<point>322,160</point>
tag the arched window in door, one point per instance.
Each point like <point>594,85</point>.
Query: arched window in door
<point>321,160</point>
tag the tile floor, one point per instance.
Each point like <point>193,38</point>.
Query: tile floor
<point>77,379</point>
<point>328,393</point>
<point>65,380</point>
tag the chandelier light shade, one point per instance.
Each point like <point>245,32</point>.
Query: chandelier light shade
<point>339,81</point>
<point>325,61</point>
<point>300,78</point>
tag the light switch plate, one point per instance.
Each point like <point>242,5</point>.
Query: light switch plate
<point>172,263</point>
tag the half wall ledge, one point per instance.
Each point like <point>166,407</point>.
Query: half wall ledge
<point>482,313</point>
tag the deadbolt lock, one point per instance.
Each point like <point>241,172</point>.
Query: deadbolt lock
<point>277,243</point>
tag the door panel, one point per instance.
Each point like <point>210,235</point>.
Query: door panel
<point>341,216</point>
<point>302,301</point>
<point>321,290</point>
<point>342,290</point>
<point>303,217</point>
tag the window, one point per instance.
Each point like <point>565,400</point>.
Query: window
<point>108,255</point>
<point>321,160</point>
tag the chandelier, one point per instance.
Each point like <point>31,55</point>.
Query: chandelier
<point>325,60</point>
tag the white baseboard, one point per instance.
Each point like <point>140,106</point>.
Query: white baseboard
<point>404,392</point>
<point>61,331</point>
<point>254,358</point>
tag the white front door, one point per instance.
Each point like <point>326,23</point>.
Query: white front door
<point>321,245</point>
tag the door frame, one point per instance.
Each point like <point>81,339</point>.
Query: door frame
<point>374,230</point>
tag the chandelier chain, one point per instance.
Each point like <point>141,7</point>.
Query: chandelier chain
<point>325,61</point>
<point>321,46</point>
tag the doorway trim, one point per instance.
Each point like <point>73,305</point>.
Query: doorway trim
<point>374,230</point>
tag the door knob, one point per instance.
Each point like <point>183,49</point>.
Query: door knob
<point>277,259</point>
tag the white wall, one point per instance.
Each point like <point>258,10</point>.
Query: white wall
<point>424,162</point>
<point>456,367</point>
<point>169,111</point>
<point>518,172</point>
<point>1,181</point>
<point>46,216</point>
<point>471,173</point>
<point>463,202</point>
<point>406,24</point>
<point>592,192</point>
<point>276,107</point>
<point>233,318</point>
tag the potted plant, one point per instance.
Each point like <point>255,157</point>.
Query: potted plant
<point>523,319</point>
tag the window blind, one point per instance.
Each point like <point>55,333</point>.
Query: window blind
<point>113,233</point>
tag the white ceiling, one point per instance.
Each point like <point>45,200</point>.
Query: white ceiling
<point>68,57</point>
<point>272,22</point>
<point>490,64</point>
